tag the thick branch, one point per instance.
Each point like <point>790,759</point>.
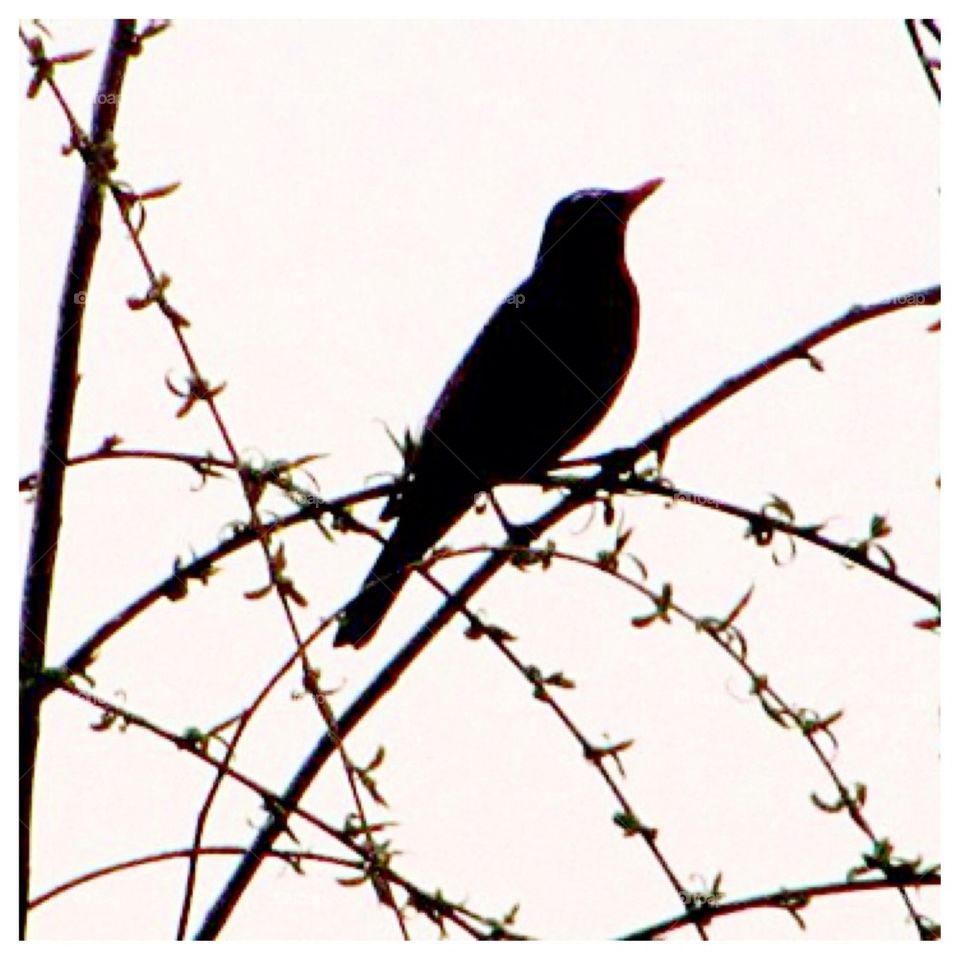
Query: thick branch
<point>47,517</point>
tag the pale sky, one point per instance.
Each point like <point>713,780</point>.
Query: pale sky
<point>356,198</point>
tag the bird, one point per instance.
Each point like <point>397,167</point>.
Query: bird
<point>538,378</point>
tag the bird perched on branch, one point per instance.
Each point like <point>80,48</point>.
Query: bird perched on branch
<point>538,378</point>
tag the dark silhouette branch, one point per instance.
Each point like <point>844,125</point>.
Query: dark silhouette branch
<point>205,465</point>
<point>433,906</point>
<point>914,33</point>
<point>294,856</point>
<point>391,673</point>
<point>100,161</point>
<point>47,516</point>
<point>761,522</point>
<point>658,441</point>
<point>369,697</point>
<point>175,586</point>
<point>792,900</point>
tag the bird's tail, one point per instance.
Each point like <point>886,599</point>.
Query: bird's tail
<point>414,534</point>
<point>364,612</point>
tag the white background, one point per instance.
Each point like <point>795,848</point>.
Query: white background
<point>356,199</point>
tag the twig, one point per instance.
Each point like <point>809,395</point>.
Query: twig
<point>290,856</point>
<point>204,464</point>
<point>761,521</point>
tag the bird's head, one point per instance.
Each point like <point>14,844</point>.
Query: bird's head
<point>592,219</point>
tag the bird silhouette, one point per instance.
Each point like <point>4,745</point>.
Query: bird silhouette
<point>538,378</point>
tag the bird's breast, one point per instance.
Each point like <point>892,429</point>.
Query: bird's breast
<point>592,327</point>
<point>540,376</point>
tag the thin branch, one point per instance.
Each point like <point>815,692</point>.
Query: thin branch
<point>596,757</point>
<point>204,464</point>
<point>433,906</point>
<point>809,723</point>
<point>206,808</point>
<point>911,26</point>
<point>933,27</point>
<point>102,163</point>
<point>290,856</point>
<point>792,900</point>
<point>763,521</point>
<point>175,586</point>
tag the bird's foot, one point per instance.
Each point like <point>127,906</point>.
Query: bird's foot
<point>617,464</point>
<point>519,534</point>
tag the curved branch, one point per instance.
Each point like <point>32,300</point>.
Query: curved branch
<point>204,465</point>
<point>175,586</point>
<point>763,521</point>
<point>391,673</point>
<point>793,899</point>
<point>657,441</point>
<point>433,906</point>
<point>291,856</point>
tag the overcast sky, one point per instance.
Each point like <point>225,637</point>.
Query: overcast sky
<point>356,198</point>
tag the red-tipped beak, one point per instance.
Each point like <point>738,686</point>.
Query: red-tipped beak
<point>637,195</point>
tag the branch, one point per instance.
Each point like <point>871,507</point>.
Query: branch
<point>206,465</point>
<point>657,441</point>
<point>47,516</point>
<point>391,673</point>
<point>793,900</point>
<point>931,25</point>
<point>434,906</point>
<point>369,697</point>
<point>763,521</point>
<point>292,856</point>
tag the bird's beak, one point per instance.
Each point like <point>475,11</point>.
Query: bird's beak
<point>633,198</point>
